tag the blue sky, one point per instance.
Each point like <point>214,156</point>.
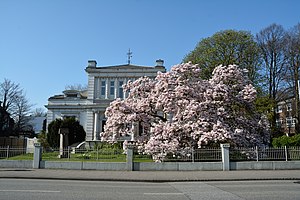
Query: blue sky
<point>45,44</point>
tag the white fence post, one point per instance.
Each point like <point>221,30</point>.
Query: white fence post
<point>129,157</point>
<point>286,153</point>
<point>7,152</point>
<point>69,152</point>
<point>37,156</point>
<point>257,155</point>
<point>97,152</point>
<point>225,156</point>
<point>193,155</point>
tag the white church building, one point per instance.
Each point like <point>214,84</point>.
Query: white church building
<point>104,85</point>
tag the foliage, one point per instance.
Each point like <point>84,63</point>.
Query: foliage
<point>76,131</point>
<point>265,105</point>
<point>179,111</point>
<point>52,135</point>
<point>106,145</point>
<point>42,138</point>
<point>225,48</point>
<point>286,141</point>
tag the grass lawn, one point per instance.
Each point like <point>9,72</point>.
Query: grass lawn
<point>99,155</point>
<point>28,156</point>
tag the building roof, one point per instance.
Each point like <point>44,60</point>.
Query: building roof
<point>72,94</point>
<point>124,67</point>
<point>37,124</point>
<point>127,66</point>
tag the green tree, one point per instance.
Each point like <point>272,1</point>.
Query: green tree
<point>226,48</point>
<point>76,131</point>
<point>284,140</point>
<point>52,135</point>
<point>42,138</point>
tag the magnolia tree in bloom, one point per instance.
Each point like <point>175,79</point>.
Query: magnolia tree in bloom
<point>179,111</point>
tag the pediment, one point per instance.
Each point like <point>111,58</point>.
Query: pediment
<point>125,67</point>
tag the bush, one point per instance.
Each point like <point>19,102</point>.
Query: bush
<point>76,131</point>
<point>42,138</point>
<point>286,141</point>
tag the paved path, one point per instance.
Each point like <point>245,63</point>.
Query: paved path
<point>150,176</point>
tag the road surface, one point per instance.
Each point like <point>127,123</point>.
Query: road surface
<point>34,189</point>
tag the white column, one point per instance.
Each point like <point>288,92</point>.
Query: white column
<point>225,156</point>
<point>124,92</point>
<point>106,88</point>
<point>99,88</point>
<point>134,130</point>
<point>116,88</point>
<point>96,126</point>
<point>96,88</point>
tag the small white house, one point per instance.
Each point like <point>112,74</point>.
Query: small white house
<point>104,85</point>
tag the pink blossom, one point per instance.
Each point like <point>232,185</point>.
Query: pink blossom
<point>179,111</point>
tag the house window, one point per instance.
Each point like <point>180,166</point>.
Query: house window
<point>112,87</point>
<point>103,85</point>
<point>279,109</point>
<point>121,94</point>
<point>290,122</point>
<point>103,124</point>
<point>141,128</point>
<point>279,123</point>
<point>289,106</point>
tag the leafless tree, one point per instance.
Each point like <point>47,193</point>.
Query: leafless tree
<point>21,114</point>
<point>39,112</point>
<point>78,87</point>
<point>14,102</point>
<point>9,91</point>
<point>292,53</point>
<point>271,41</point>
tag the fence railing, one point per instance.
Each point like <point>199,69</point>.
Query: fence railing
<point>118,155</point>
<point>193,155</point>
<point>261,154</point>
<point>96,154</point>
<point>16,153</point>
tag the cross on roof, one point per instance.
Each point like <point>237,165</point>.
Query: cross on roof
<point>129,54</point>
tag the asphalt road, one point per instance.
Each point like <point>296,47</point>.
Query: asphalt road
<point>28,189</point>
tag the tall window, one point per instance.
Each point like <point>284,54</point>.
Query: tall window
<point>279,123</point>
<point>290,122</point>
<point>289,106</point>
<point>121,94</point>
<point>279,109</point>
<point>103,84</point>
<point>112,88</point>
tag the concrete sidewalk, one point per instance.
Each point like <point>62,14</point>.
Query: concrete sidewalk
<point>150,176</point>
